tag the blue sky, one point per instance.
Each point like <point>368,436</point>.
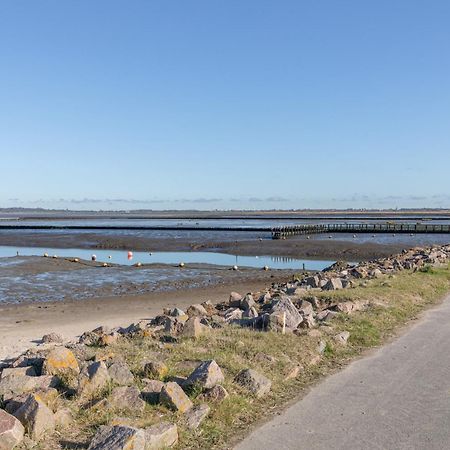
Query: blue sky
<point>224,104</point>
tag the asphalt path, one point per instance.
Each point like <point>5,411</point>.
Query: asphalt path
<point>398,398</point>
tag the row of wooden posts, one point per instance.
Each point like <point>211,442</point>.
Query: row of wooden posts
<point>296,230</point>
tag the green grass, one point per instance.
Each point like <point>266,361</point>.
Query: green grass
<point>393,302</point>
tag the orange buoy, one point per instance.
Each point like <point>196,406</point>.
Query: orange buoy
<point>130,255</point>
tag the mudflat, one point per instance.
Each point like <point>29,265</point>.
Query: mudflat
<point>296,247</point>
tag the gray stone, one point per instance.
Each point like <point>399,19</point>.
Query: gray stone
<point>247,302</point>
<point>174,398</point>
<point>92,379</point>
<point>342,338</point>
<point>306,308</point>
<point>333,284</point>
<point>121,374</point>
<point>196,415</point>
<point>254,382</point>
<point>118,438</point>
<point>313,281</point>
<point>11,431</point>
<point>206,375</point>
<point>216,394</point>
<point>127,398</point>
<point>284,305</point>
<point>160,436</point>
<point>18,372</point>
<point>151,391</point>
<point>12,386</point>
<point>193,328</point>
<point>196,311</point>
<point>233,315</point>
<point>52,338</point>
<point>235,300</point>
<point>36,417</point>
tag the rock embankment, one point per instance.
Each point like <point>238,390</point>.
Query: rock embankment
<point>40,389</point>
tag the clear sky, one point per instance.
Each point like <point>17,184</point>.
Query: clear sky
<point>224,103</point>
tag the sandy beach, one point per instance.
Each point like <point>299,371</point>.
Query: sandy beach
<point>22,326</point>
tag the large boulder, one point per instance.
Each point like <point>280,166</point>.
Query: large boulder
<point>152,390</point>
<point>160,436</point>
<point>11,431</point>
<point>12,386</point>
<point>333,284</point>
<point>283,306</point>
<point>93,379</point>
<point>118,438</point>
<point>18,372</point>
<point>216,394</point>
<point>60,361</point>
<point>193,328</point>
<point>127,398</point>
<point>174,398</point>
<point>196,415</point>
<point>36,417</point>
<point>196,311</point>
<point>207,375</point>
<point>120,374</point>
<point>156,369</point>
<point>253,382</point>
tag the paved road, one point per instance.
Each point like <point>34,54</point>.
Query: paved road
<point>398,398</point>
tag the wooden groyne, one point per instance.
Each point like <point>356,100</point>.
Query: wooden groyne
<point>394,228</point>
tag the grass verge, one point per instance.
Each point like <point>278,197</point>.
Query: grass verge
<point>395,300</point>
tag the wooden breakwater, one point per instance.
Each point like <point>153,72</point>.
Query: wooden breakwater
<point>418,228</point>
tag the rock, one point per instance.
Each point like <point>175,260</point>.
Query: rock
<point>36,417</point>
<point>333,284</point>
<point>196,311</point>
<point>156,369</point>
<point>254,382</point>
<point>308,322</point>
<point>247,302</point>
<point>120,374</point>
<point>250,313</point>
<point>342,338</point>
<point>216,394</point>
<point>321,346</point>
<point>60,361</point>
<point>174,398</point>
<point>206,375</point>
<point>160,436</point>
<point>48,396</point>
<point>235,300</point>
<point>284,305</point>
<point>196,415</point>
<point>63,418</point>
<point>326,315</point>
<point>18,372</point>
<point>193,328</point>
<point>305,308</point>
<point>313,281</point>
<point>151,391</point>
<point>92,379</point>
<point>118,438</point>
<point>176,312</point>
<point>12,386</point>
<point>11,431</point>
<point>127,398</point>
<point>108,339</point>
<point>210,308</point>
<point>52,338</point>
<point>232,315</point>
